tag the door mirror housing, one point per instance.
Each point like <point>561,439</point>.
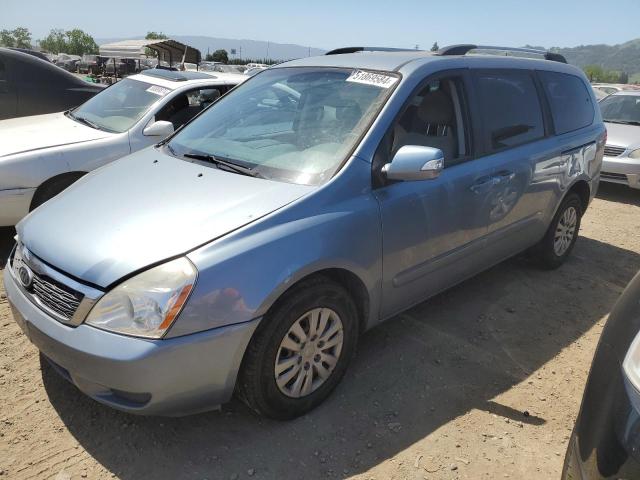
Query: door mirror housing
<point>415,162</point>
<point>161,128</point>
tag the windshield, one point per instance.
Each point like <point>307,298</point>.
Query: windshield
<point>291,124</point>
<point>120,106</point>
<point>621,109</point>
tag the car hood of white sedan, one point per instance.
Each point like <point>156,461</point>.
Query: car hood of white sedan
<point>620,135</point>
<point>142,209</point>
<point>24,134</point>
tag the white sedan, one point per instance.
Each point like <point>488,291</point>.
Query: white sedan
<point>42,155</point>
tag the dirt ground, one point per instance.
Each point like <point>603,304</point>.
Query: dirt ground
<point>438,392</point>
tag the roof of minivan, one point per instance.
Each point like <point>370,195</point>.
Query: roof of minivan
<point>410,60</point>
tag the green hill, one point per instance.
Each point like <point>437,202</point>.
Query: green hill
<point>623,58</point>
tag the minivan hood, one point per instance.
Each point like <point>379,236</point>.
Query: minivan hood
<point>25,134</point>
<point>143,209</point>
<point>620,135</point>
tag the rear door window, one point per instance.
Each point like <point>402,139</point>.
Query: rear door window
<point>509,108</point>
<point>570,101</point>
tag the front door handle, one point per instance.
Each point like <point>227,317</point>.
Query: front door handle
<point>505,176</point>
<point>484,184</point>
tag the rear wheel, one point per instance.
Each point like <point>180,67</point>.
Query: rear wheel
<point>53,187</point>
<point>301,351</point>
<point>558,242</point>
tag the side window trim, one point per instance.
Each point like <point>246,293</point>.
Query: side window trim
<point>468,120</point>
<point>547,115</point>
<point>484,148</point>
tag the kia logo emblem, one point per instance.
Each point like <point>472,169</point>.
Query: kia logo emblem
<point>26,276</point>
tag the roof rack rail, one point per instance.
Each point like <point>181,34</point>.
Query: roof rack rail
<point>342,50</point>
<point>463,49</point>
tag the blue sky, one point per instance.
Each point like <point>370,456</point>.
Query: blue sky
<point>330,23</point>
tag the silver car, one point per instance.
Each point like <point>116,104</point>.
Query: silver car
<point>42,155</point>
<point>621,114</point>
<point>250,250</point>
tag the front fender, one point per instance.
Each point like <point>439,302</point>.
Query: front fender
<point>241,275</point>
<point>31,169</point>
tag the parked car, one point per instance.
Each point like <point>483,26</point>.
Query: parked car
<point>250,250</point>
<point>621,114</point>
<point>605,439</point>
<point>121,66</point>
<point>91,64</point>
<point>610,88</point>
<point>42,155</point>
<point>68,62</point>
<point>30,86</point>
<point>250,72</point>
<point>190,67</point>
<point>600,93</point>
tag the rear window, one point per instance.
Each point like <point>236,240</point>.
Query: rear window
<point>571,104</point>
<point>510,108</point>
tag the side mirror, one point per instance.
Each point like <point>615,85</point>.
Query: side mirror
<point>161,128</point>
<point>414,162</point>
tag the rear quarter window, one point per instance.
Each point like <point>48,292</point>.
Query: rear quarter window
<point>510,108</point>
<point>570,101</point>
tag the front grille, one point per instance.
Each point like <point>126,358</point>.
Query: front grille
<point>47,292</point>
<point>57,297</point>
<point>613,151</point>
<point>613,176</point>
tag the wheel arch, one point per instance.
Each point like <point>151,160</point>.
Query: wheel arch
<point>583,190</point>
<point>347,279</point>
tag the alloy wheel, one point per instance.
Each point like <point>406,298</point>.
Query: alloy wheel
<point>309,352</point>
<point>565,231</point>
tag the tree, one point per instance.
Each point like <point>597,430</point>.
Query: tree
<point>73,42</point>
<point>6,39</point>
<point>19,37</point>
<point>55,42</point>
<point>79,42</point>
<point>155,36</point>
<point>220,56</point>
<point>435,47</point>
<point>594,73</point>
<point>624,77</point>
<point>22,37</point>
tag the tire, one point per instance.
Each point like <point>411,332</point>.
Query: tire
<point>546,252</point>
<point>53,187</point>
<point>257,384</point>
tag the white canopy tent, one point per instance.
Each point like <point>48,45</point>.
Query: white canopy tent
<point>168,50</point>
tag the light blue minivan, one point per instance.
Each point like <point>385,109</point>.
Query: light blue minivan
<point>249,251</point>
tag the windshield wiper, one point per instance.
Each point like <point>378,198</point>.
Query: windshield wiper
<point>89,123</point>
<point>218,162</point>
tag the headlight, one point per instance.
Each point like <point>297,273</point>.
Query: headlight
<point>147,304</point>
<point>635,153</point>
<point>631,368</point>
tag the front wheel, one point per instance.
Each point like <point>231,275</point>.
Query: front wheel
<point>301,351</point>
<point>558,242</point>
